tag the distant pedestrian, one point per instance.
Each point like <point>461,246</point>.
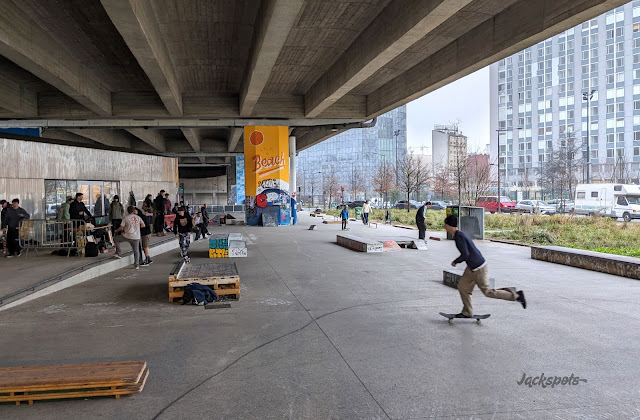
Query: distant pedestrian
<point>476,272</point>
<point>421,216</point>
<point>344,215</point>
<point>182,228</point>
<point>3,204</point>
<point>159,208</point>
<point>294,210</point>
<point>13,215</point>
<point>63,212</point>
<point>205,219</point>
<point>167,204</point>
<point>116,213</point>
<point>130,229</point>
<point>366,209</point>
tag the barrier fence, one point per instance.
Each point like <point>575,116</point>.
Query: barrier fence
<point>41,233</point>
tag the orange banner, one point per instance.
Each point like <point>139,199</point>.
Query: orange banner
<point>266,157</point>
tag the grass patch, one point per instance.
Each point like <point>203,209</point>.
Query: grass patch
<point>600,234</point>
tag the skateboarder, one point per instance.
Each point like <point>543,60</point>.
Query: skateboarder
<point>421,216</point>
<point>182,227</point>
<point>476,271</point>
<point>344,215</point>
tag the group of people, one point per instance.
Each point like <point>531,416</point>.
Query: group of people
<point>10,217</point>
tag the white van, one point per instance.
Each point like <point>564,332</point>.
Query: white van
<point>612,200</point>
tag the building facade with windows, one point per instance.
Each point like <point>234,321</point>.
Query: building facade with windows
<point>353,158</point>
<point>580,87</point>
<point>448,145</point>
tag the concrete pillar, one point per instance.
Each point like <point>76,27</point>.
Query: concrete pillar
<point>267,172</point>
<point>292,170</point>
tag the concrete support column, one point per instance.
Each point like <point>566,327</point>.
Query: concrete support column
<point>267,170</point>
<point>293,188</point>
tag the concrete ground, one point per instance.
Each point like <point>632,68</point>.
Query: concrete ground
<point>324,332</point>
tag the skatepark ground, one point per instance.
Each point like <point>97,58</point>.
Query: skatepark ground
<point>324,332</point>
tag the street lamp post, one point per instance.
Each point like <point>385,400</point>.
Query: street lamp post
<point>396,133</point>
<point>587,96</point>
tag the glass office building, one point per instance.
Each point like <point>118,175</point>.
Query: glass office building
<point>354,157</point>
<point>582,84</point>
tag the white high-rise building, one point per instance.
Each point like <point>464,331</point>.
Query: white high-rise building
<point>541,101</point>
<point>448,145</point>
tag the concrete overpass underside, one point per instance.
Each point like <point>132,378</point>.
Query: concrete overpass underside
<point>180,78</point>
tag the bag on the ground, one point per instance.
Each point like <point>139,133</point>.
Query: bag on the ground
<point>91,249</point>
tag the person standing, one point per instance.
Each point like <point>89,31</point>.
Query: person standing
<point>294,210</point>
<point>63,213</point>
<point>130,229</point>
<point>366,209</point>
<point>167,204</point>
<point>344,215</point>
<point>4,204</point>
<point>205,220</point>
<point>421,216</point>
<point>78,210</point>
<point>182,228</point>
<point>159,207</point>
<point>11,227</point>
<point>145,238</point>
<point>116,213</point>
<point>476,272</point>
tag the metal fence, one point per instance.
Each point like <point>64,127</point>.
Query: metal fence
<point>41,233</point>
<point>217,209</point>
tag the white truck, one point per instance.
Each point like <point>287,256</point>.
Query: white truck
<point>612,200</point>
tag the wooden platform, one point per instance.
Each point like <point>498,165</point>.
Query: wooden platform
<point>223,278</point>
<point>31,383</point>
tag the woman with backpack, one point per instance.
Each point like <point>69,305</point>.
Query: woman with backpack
<point>116,213</point>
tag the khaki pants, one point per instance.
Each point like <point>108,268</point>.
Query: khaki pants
<point>470,278</point>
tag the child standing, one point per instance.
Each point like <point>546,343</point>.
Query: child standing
<point>344,215</point>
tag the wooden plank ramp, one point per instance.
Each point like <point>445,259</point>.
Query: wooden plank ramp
<point>223,278</point>
<point>33,383</point>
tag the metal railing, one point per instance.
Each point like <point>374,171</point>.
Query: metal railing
<point>41,233</point>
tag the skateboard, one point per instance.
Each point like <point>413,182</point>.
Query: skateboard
<point>478,318</point>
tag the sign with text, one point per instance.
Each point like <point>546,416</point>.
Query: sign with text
<point>266,154</point>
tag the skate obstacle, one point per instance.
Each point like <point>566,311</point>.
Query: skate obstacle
<point>589,260</point>
<point>358,243</point>
<point>222,277</point>
<point>227,245</point>
<point>26,384</point>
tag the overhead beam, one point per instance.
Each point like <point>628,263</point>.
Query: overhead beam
<point>521,25</point>
<point>66,137</point>
<point>195,140</point>
<point>314,137</point>
<point>35,50</point>
<point>400,25</point>
<point>137,23</point>
<point>113,138</point>
<point>234,137</point>
<point>277,19</point>
<point>17,96</point>
<point>152,137</point>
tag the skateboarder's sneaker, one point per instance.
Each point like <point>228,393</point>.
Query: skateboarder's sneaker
<point>461,315</point>
<point>521,299</point>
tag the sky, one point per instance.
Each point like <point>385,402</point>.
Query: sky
<point>466,100</point>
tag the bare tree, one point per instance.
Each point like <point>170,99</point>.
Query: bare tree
<point>330,183</point>
<point>478,178</point>
<point>413,175</point>
<point>383,180</point>
<point>356,182</point>
<point>441,181</point>
<point>313,182</point>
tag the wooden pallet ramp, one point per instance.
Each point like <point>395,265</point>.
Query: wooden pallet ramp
<point>223,278</point>
<point>33,383</point>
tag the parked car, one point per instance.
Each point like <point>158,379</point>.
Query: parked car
<point>438,205</point>
<point>536,206</point>
<point>562,205</point>
<point>490,204</point>
<point>402,204</point>
<point>354,204</point>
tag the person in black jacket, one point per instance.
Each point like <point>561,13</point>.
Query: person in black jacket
<point>159,204</point>
<point>77,209</point>
<point>476,272</point>
<point>421,215</point>
<point>11,219</point>
<point>182,227</point>
<point>145,237</point>
<point>205,220</point>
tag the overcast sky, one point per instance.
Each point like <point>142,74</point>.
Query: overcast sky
<point>466,100</point>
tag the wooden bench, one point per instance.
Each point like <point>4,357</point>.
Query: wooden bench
<point>31,383</point>
<point>589,260</point>
<point>358,243</point>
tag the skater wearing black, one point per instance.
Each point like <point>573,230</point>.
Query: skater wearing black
<point>476,271</point>
<point>421,216</point>
<point>182,227</point>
